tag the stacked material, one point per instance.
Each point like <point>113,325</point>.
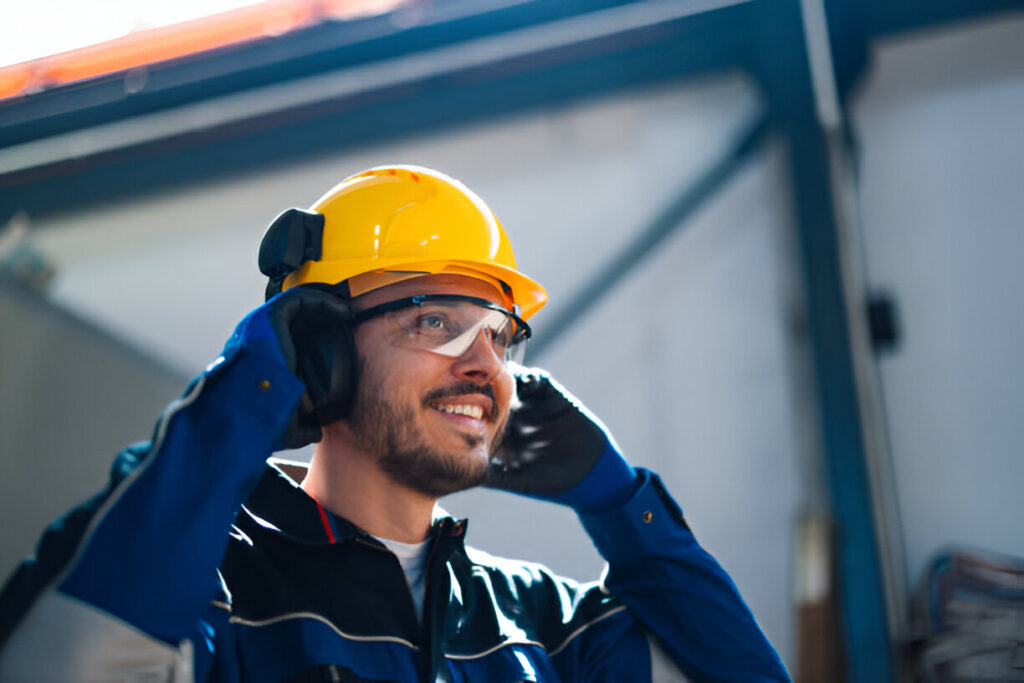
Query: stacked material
<point>968,615</point>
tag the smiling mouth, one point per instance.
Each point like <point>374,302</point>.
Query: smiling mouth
<point>473,411</point>
<point>464,401</point>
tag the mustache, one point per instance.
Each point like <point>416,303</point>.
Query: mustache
<point>461,389</point>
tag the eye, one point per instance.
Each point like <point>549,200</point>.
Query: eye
<point>498,337</point>
<point>432,323</point>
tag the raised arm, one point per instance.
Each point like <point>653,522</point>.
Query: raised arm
<point>556,450</point>
<point>118,585</point>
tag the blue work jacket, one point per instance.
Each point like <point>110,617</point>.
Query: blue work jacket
<point>198,562</point>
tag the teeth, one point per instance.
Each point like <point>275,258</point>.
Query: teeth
<point>469,411</point>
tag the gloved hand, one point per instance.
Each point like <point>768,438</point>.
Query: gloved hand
<point>308,330</point>
<point>554,449</point>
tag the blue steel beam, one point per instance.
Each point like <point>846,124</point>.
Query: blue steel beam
<point>716,34</point>
<point>781,61</point>
<point>657,47</point>
<point>331,45</point>
<point>883,17</point>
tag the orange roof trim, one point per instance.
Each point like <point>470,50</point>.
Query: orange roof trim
<point>151,46</point>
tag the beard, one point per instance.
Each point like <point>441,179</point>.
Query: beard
<point>388,429</point>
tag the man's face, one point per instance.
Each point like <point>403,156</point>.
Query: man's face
<point>431,420</point>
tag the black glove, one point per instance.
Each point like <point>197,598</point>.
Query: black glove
<point>307,329</point>
<point>555,449</point>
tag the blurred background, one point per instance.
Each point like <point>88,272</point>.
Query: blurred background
<point>781,238</point>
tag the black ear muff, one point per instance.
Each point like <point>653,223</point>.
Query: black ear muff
<point>343,382</point>
<point>314,325</point>
<point>293,238</point>
<point>328,362</point>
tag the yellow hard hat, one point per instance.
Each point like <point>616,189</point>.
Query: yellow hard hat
<point>394,222</point>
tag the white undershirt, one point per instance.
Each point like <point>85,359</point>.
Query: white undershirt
<point>413,558</point>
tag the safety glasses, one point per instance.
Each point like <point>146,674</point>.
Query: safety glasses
<point>448,324</point>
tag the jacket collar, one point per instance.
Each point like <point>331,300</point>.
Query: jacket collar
<point>279,504</point>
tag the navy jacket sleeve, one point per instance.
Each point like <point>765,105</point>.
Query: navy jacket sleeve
<point>136,565</point>
<point>679,591</point>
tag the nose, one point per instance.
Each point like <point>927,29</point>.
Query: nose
<point>481,362</point>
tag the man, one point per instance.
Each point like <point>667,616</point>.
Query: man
<point>395,311</point>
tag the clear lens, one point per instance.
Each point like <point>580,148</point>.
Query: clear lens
<point>450,327</point>
<point>517,352</point>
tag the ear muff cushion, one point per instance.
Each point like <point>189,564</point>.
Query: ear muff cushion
<point>330,362</point>
<point>317,326</point>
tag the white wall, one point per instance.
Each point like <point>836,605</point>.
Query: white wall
<point>70,397</point>
<point>941,126</point>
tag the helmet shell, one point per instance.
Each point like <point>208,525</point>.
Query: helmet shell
<point>413,219</point>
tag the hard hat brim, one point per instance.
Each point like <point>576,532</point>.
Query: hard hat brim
<point>527,293</point>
